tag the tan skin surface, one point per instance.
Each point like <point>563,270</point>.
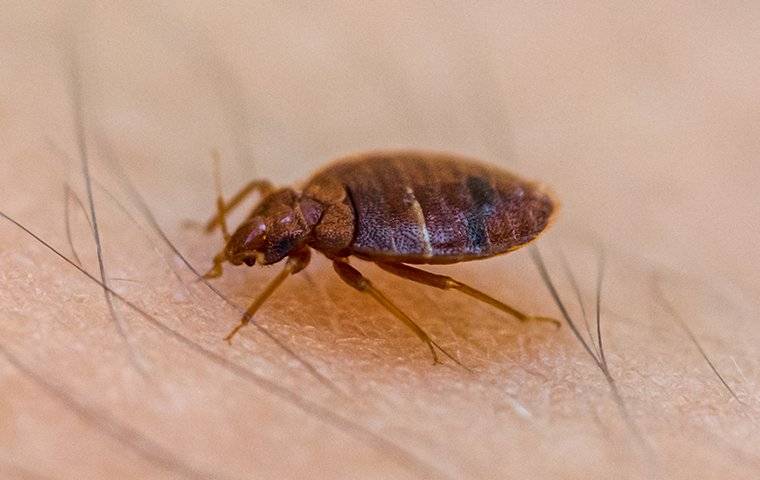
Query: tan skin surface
<point>642,118</point>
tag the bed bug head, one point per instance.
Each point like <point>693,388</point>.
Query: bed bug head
<point>280,224</point>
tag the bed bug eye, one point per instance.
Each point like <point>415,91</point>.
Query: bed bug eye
<point>257,229</point>
<point>286,219</point>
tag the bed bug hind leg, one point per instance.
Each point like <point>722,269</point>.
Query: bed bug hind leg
<point>447,283</point>
<point>296,262</point>
<point>355,279</point>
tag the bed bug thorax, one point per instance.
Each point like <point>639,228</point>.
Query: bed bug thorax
<point>395,209</point>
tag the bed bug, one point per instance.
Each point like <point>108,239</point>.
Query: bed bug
<point>393,208</point>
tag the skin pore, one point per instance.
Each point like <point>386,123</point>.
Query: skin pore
<point>648,148</point>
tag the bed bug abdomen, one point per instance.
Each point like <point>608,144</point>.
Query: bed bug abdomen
<point>421,207</point>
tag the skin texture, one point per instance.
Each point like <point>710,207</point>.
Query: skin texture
<point>642,117</point>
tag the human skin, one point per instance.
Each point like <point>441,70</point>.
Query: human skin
<point>642,118</point>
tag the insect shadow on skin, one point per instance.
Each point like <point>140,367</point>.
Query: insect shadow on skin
<point>392,208</point>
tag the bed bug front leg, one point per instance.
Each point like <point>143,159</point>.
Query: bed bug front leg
<point>354,278</point>
<point>216,270</point>
<point>296,262</point>
<point>447,283</point>
<point>262,187</point>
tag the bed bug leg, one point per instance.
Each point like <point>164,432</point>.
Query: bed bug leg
<point>354,278</point>
<point>220,206</point>
<point>263,187</point>
<point>222,209</point>
<point>219,259</point>
<point>216,269</point>
<point>297,261</point>
<point>448,283</point>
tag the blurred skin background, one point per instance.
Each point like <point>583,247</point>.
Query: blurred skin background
<point>642,116</point>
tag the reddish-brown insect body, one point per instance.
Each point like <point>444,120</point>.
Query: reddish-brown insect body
<point>393,208</point>
<point>413,207</point>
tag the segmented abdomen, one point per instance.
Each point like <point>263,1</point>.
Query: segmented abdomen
<point>418,207</point>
